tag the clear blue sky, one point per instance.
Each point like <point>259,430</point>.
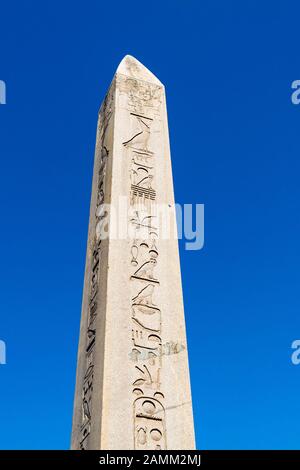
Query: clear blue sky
<point>228,68</point>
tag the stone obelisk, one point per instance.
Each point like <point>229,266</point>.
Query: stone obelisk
<point>132,384</point>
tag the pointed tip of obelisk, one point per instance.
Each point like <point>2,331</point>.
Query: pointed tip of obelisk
<point>131,67</point>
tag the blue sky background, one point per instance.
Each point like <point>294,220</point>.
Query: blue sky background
<point>228,68</point>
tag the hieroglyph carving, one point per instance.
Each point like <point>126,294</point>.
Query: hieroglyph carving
<point>102,154</point>
<point>142,100</point>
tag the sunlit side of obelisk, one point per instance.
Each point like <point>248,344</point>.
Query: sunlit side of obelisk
<point>132,383</point>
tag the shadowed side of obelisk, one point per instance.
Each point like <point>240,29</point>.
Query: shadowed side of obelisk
<point>86,430</point>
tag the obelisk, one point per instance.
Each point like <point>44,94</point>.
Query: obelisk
<point>132,384</point>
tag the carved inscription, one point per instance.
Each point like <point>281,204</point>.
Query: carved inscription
<point>102,153</point>
<point>143,102</point>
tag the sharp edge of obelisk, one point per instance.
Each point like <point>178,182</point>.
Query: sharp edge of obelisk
<point>133,68</point>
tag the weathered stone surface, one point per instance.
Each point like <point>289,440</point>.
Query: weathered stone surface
<point>132,385</point>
